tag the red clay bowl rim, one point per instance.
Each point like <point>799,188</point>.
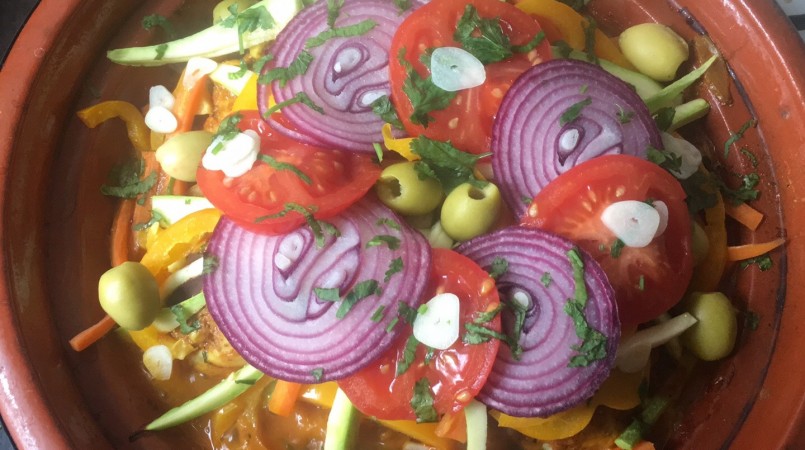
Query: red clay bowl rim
<point>28,416</point>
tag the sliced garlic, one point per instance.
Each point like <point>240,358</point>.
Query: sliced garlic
<point>180,277</point>
<point>161,96</point>
<point>662,210</point>
<point>437,325</point>
<point>635,223</point>
<point>233,156</point>
<point>197,68</point>
<point>454,69</point>
<point>158,360</point>
<point>161,120</point>
<point>690,155</point>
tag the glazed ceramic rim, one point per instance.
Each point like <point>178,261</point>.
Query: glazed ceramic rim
<point>31,420</point>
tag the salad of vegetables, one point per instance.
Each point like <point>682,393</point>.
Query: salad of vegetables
<point>420,224</point>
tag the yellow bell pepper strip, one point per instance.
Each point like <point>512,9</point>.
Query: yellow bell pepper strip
<point>745,215</point>
<point>247,99</point>
<point>137,131</point>
<point>176,241</point>
<point>401,146</point>
<point>323,394</point>
<point>619,391</point>
<point>709,272</point>
<point>571,25</point>
<point>748,251</point>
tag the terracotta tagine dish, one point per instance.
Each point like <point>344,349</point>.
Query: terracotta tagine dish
<point>55,227</point>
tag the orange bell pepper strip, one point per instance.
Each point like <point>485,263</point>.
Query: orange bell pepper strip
<point>178,240</point>
<point>453,426</point>
<point>570,25</point>
<point>138,133</point>
<point>745,215</point>
<point>748,251</point>
<point>708,273</point>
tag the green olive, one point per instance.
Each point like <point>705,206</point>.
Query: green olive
<point>180,155</point>
<point>130,295</point>
<point>700,243</point>
<point>713,336</point>
<point>402,190</point>
<point>221,10</point>
<point>469,211</point>
<point>654,49</point>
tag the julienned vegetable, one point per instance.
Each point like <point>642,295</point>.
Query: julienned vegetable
<point>561,113</point>
<point>228,36</point>
<point>299,306</point>
<point>561,321</point>
<point>340,66</point>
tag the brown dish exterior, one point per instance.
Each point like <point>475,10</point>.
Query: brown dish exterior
<point>55,226</point>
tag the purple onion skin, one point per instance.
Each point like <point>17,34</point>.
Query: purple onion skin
<point>274,319</point>
<point>541,382</point>
<point>346,92</point>
<point>527,134</point>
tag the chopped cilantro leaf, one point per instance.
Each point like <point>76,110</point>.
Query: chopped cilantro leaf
<point>616,249</point>
<point>746,192</point>
<point>395,266</point>
<point>406,313</point>
<point>300,97</point>
<point>391,223</point>
<point>261,62</point>
<point>531,45</point>
<point>358,29</point>
<point>763,262</point>
<point>377,316</point>
<point>499,267</point>
<point>183,316</point>
<point>161,49</point>
<point>409,353</point>
<point>736,136</point>
<point>422,93</point>
<point>750,156</point>
<point>316,226</point>
<point>447,164</point>
<point>574,111</point>
<point>590,26</point>
<point>156,217</point>
<point>392,242</point>
<point>664,118</point>
<point>298,67</point>
<point>285,166</point>
<point>240,73</point>
<point>317,374</point>
<point>483,38</point>
<point>247,21</point>
<point>669,161</point>
<point>546,279</point>
<point>422,402</point>
<point>327,294</point>
<point>383,108</point>
<point>404,5</point>
<point>488,316</point>
<point>128,181</point>
<point>210,264</point>
<point>624,116</point>
<point>392,324</point>
<point>227,130</point>
<point>156,20</point>
<point>333,10</point>
<point>593,346</point>
<point>361,291</point>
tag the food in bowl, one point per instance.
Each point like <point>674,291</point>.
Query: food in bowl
<point>569,257</point>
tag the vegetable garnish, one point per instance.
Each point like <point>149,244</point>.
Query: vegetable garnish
<point>265,293</point>
<point>248,21</point>
<point>546,126</point>
<point>557,368</point>
<point>346,72</point>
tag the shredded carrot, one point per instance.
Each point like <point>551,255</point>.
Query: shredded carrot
<point>284,397</point>
<point>748,251</point>
<point>92,334</point>
<point>453,426</point>
<point>745,215</point>
<point>187,104</point>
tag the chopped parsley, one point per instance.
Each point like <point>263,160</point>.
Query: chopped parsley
<point>300,97</point>
<point>327,294</point>
<point>409,353</point>
<point>358,29</point>
<point>750,156</point>
<point>746,192</point>
<point>422,402</point>
<point>736,136</point>
<point>227,130</point>
<point>156,20</point>
<point>333,10</point>
<point>361,291</point>
<point>519,310</point>
<point>392,324</point>
<point>531,45</point>
<point>404,5</point>
<point>422,93</point>
<point>483,38</point>
<point>383,108</point>
<point>391,223</point>
<point>616,248</point>
<point>128,181</point>
<point>210,264</point>
<point>183,316</point>
<point>763,262</point>
<point>247,21</point>
<point>240,73</point>
<point>488,316</point>
<point>392,242</point>
<point>593,346</point>
<point>406,313</point>
<point>499,267</point>
<point>546,279</point>
<point>395,267</point>
<point>445,163</point>
<point>156,217</point>
<point>316,226</point>
<point>477,334</point>
<point>161,49</point>
<point>590,27</point>
<point>298,67</point>
<point>261,62</point>
<point>624,116</point>
<point>379,313</point>
<point>574,111</point>
<point>317,374</point>
<point>285,166</point>
<point>664,118</point>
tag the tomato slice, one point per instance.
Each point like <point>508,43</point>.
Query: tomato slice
<point>333,180</point>
<point>647,281</point>
<point>467,121</point>
<point>456,374</point>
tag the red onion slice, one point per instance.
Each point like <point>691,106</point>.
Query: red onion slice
<point>532,145</point>
<point>262,293</point>
<point>347,74</point>
<point>542,382</point>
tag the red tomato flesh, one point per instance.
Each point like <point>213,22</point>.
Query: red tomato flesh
<point>337,179</point>
<point>647,281</point>
<point>467,122</point>
<point>456,374</point>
